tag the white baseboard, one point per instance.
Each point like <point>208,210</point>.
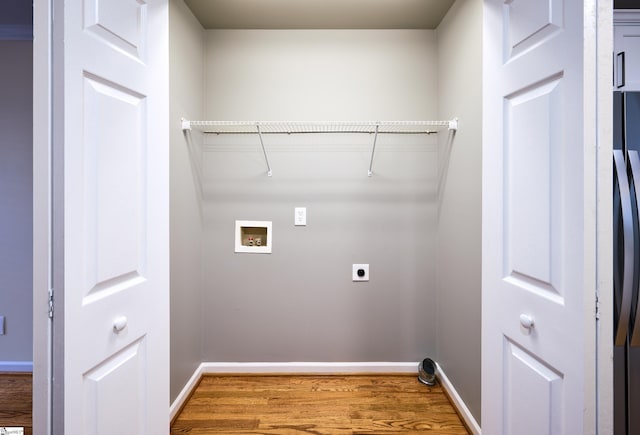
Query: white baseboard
<point>311,367</point>
<point>16,366</point>
<point>183,396</point>
<point>320,368</point>
<point>471,422</point>
<point>286,367</point>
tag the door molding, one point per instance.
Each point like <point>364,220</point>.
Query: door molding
<point>603,78</point>
<point>42,244</point>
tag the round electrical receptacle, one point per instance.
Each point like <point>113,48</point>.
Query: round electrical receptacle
<point>361,272</point>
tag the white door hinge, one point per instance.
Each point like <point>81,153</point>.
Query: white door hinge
<point>51,303</point>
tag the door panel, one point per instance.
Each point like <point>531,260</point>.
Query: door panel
<point>530,23</point>
<point>114,183</point>
<point>120,23</point>
<point>122,372</point>
<point>530,201</point>
<point>536,286</point>
<point>527,376</point>
<point>116,234</point>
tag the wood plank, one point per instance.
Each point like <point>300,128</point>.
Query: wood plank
<point>317,404</point>
<point>15,400</point>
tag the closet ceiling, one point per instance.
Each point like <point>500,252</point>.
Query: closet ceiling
<point>319,14</point>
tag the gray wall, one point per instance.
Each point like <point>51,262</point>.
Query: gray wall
<point>186,82</point>
<point>16,12</point>
<point>459,225</point>
<point>16,200</point>
<point>299,303</point>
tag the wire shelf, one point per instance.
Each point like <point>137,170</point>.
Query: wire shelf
<point>288,127</point>
<point>262,128</point>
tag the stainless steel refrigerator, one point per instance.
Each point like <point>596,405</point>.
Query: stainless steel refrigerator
<point>626,257</point>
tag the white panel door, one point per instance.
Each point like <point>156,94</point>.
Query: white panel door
<point>115,313</point>
<point>538,292</point>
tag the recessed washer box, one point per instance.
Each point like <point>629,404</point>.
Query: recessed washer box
<point>254,237</point>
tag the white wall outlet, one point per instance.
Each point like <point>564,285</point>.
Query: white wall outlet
<point>300,216</point>
<point>360,272</point>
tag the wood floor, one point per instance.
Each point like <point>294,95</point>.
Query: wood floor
<point>337,405</point>
<point>15,401</point>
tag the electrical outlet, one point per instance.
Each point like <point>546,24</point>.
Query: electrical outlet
<point>1,325</point>
<point>360,272</point>
<point>300,216</point>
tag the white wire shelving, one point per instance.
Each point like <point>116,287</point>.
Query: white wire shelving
<point>262,128</point>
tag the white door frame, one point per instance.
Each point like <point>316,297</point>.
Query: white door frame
<point>601,73</point>
<point>47,154</point>
<point>599,77</point>
<point>42,244</point>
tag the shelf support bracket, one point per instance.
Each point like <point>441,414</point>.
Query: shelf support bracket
<point>453,124</point>
<point>264,151</point>
<point>186,125</point>
<point>373,150</point>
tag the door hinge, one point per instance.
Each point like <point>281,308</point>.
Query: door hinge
<point>597,308</point>
<point>51,303</point>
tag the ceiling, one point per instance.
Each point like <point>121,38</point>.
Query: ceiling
<point>319,14</point>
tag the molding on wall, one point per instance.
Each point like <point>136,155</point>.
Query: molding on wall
<point>16,366</point>
<point>311,367</point>
<point>286,367</point>
<point>458,403</point>
<point>16,32</point>
<point>185,393</point>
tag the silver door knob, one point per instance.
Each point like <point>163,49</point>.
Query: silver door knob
<point>526,321</point>
<point>119,323</point>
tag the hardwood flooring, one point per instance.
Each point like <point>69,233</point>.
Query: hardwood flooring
<point>15,401</point>
<point>279,404</point>
<point>336,405</point>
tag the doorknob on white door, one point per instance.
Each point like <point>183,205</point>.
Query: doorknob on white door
<point>119,324</point>
<point>526,321</point>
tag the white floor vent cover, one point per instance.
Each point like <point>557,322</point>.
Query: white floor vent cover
<point>11,431</point>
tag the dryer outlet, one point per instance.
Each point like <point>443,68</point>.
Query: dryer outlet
<point>360,272</point>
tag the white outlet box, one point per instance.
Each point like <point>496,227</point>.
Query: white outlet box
<point>360,272</point>
<point>254,237</point>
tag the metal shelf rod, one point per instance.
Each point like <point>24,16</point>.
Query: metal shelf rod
<point>264,151</point>
<point>373,150</point>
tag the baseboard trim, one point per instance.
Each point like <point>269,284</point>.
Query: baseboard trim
<point>284,367</point>
<point>185,393</point>
<point>16,32</point>
<point>311,367</point>
<point>458,403</point>
<point>16,366</point>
